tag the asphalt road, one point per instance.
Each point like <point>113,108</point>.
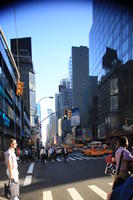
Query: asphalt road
<point>81,178</point>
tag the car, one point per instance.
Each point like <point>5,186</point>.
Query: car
<point>107,150</point>
<point>93,150</point>
<point>87,150</point>
<point>97,151</point>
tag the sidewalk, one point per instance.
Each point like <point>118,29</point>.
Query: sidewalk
<point>3,179</point>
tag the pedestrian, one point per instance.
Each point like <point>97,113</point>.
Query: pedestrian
<point>122,158</point>
<point>43,155</point>
<point>65,153</point>
<point>123,192</point>
<point>12,168</point>
<point>54,154</point>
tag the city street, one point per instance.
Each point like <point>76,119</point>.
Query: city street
<point>81,178</point>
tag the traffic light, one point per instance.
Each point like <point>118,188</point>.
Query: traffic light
<point>20,86</point>
<point>69,114</point>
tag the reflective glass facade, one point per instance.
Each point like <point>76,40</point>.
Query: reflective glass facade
<point>32,94</point>
<point>112,27</point>
<point>10,104</point>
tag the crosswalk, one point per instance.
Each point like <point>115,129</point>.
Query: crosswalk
<point>78,158</point>
<point>74,194</point>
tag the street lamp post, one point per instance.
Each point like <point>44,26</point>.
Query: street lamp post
<point>38,102</point>
<point>50,97</point>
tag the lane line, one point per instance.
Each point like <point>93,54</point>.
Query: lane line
<point>98,191</point>
<point>74,194</point>
<point>30,170</point>
<point>28,180</point>
<point>47,195</point>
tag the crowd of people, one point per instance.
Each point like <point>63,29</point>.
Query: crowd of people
<point>122,188</point>
<point>50,154</point>
<point>44,154</point>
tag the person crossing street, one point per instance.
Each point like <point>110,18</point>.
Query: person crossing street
<point>65,154</point>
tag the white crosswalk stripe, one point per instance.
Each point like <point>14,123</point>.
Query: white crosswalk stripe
<point>74,194</point>
<point>85,158</point>
<point>70,158</point>
<point>110,184</point>
<point>78,158</point>
<point>47,195</point>
<point>59,160</point>
<point>98,191</point>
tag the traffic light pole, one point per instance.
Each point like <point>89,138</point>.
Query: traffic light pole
<point>52,114</point>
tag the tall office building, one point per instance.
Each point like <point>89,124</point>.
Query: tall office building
<point>79,71</point>
<point>62,99</point>
<point>22,52</point>
<point>112,27</point>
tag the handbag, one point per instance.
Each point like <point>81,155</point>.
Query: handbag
<point>110,169</point>
<point>11,189</point>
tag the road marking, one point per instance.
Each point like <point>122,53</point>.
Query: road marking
<point>98,191</point>
<point>78,158</point>
<point>27,180</point>
<point>59,160</point>
<point>84,158</point>
<point>71,158</point>
<point>30,170</point>
<point>110,184</point>
<point>93,158</point>
<point>47,195</point>
<point>74,194</point>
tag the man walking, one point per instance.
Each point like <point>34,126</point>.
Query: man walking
<point>12,169</point>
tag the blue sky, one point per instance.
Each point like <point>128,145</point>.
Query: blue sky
<point>54,28</point>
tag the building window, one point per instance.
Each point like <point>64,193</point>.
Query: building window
<point>114,86</point>
<point>114,103</point>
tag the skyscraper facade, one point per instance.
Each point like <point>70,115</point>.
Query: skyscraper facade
<point>80,74</point>
<point>112,27</point>
<point>22,52</point>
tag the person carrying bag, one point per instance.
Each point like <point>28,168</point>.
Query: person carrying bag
<point>122,157</point>
<point>12,188</point>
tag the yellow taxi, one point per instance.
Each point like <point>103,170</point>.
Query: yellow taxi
<point>97,151</point>
<point>87,150</point>
<point>107,150</point>
<point>93,151</point>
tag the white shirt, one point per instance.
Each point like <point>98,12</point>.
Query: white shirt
<point>11,156</point>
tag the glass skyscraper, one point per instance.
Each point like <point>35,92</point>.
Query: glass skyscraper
<point>112,27</point>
